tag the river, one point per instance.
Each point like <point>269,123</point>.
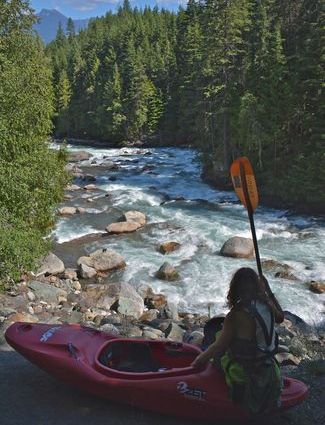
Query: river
<point>165,184</point>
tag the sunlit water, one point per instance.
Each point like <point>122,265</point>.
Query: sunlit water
<point>169,190</point>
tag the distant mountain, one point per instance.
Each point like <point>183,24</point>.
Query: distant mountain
<point>50,20</point>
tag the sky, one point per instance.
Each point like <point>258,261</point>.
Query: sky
<point>78,9</point>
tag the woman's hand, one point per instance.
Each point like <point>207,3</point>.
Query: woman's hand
<point>200,360</point>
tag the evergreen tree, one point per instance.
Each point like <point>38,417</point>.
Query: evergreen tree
<point>189,61</point>
<point>225,23</point>
<point>70,28</point>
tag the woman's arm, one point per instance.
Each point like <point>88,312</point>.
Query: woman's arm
<point>219,346</point>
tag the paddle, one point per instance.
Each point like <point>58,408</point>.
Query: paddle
<point>243,179</point>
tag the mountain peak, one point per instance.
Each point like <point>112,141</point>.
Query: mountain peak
<point>49,21</point>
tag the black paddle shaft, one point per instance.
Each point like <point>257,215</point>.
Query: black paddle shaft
<point>252,224</point>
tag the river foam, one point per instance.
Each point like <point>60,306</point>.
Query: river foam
<point>165,184</point>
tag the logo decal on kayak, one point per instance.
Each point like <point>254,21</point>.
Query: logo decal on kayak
<point>49,333</point>
<point>194,393</point>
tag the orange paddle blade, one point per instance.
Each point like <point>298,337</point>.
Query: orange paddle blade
<point>241,171</point>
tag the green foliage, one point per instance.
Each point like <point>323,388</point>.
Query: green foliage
<point>20,246</point>
<point>32,177</point>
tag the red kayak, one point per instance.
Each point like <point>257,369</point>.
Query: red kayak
<point>150,374</point>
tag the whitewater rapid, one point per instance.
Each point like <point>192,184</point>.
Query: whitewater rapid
<point>165,184</point>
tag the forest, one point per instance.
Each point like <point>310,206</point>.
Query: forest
<point>230,77</point>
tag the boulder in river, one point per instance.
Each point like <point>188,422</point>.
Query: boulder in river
<point>317,287</point>
<point>77,156</point>
<point>73,187</point>
<point>238,247</point>
<point>167,272</point>
<point>167,247</point>
<point>103,260</point>
<point>90,186</point>
<point>135,216</point>
<point>51,265</point>
<point>89,178</point>
<point>110,165</point>
<point>123,227</point>
<point>280,270</point>
<point>130,222</point>
<point>67,210</point>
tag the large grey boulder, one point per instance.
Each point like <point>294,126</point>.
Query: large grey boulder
<point>238,247</point>
<point>118,296</point>
<point>174,332</point>
<point>130,303</point>
<point>48,293</point>
<point>51,265</point>
<point>79,156</point>
<point>101,296</point>
<point>86,272</point>
<point>171,311</point>
<point>103,260</point>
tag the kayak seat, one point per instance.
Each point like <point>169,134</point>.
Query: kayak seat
<point>129,357</point>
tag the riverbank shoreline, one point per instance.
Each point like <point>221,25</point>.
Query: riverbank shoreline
<point>220,181</point>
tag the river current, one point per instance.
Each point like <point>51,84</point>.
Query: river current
<point>165,184</point>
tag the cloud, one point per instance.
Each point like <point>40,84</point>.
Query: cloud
<point>90,5</point>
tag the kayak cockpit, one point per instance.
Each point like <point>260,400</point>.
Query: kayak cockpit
<point>132,358</point>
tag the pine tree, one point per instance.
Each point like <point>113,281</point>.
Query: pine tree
<point>110,117</point>
<point>71,32</point>
<point>189,61</point>
<point>225,23</point>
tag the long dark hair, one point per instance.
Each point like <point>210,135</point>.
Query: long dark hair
<point>244,286</point>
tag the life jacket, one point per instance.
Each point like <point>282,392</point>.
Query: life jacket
<point>265,343</point>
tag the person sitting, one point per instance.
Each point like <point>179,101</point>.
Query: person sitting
<point>246,345</point>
